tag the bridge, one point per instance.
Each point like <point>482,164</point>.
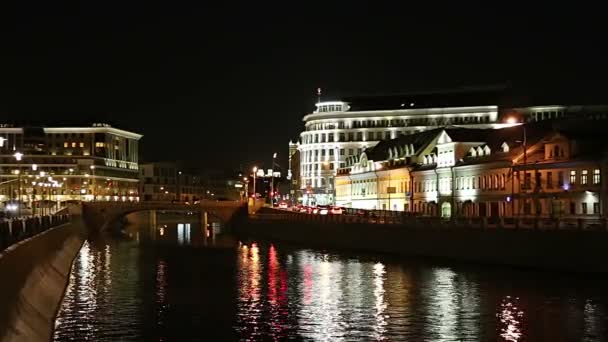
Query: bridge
<point>100,215</point>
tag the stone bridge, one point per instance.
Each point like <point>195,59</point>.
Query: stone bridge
<point>99,215</point>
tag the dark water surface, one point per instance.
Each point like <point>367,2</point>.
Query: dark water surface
<point>170,282</point>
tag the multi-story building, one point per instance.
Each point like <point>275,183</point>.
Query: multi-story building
<point>544,169</point>
<point>338,130</point>
<point>169,181</point>
<point>68,163</point>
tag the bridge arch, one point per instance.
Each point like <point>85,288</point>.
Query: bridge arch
<point>99,215</point>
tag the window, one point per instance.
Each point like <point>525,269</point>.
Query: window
<point>560,178</point>
<point>538,179</point>
<point>322,138</point>
<point>359,136</point>
<point>549,180</point>
<point>572,210</point>
<point>573,177</point>
<point>351,136</point>
<point>371,136</point>
<point>73,144</point>
<point>99,144</point>
<point>322,153</point>
<point>503,181</point>
<point>596,176</point>
<point>81,144</point>
<point>387,135</point>
<point>596,208</point>
<point>65,144</point>
<point>331,152</point>
<point>584,208</point>
<point>316,138</point>
<point>358,151</point>
<point>527,180</point>
<point>584,177</point>
<point>341,151</point>
<point>330,137</point>
<point>350,152</point>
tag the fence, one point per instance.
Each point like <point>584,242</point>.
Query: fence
<point>13,231</point>
<point>413,220</point>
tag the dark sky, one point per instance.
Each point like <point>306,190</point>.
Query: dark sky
<point>224,85</point>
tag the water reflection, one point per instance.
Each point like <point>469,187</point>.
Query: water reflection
<point>170,281</point>
<point>511,318</point>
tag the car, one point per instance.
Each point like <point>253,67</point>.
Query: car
<point>306,210</point>
<point>336,210</point>
<point>296,208</point>
<point>322,209</point>
<point>282,205</point>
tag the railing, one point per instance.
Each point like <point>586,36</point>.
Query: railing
<point>13,231</point>
<point>386,217</point>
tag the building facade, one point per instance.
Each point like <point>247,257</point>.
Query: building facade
<point>540,170</point>
<point>339,130</point>
<point>68,163</point>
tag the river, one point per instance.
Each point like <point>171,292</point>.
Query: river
<point>172,281</point>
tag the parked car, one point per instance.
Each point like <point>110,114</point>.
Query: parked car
<point>282,205</point>
<point>336,210</point>
<point>297,207</point>
<point>322,209</point>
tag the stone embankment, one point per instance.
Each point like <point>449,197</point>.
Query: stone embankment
<point>34,273</point>
<point>579,247</point>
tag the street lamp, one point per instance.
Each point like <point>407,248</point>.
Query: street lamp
<point>18,156</point>
<point>274,156</point>
<point>92,167</point>
<point>255,170</point>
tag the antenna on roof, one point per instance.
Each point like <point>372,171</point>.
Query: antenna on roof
<point>318,95</point>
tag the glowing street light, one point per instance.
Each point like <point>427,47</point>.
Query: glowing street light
<point>18,156</point>
<point>255,170</point>
<point>511,120</point>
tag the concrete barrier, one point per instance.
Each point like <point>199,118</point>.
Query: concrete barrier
<point>35,273</point>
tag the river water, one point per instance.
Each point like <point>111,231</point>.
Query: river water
<point>176,282</point>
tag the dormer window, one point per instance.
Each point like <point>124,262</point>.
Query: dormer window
<point>505,147</point>
<point>487,150</point>
<point>473,152</point>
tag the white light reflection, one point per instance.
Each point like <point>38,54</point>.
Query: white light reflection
<point>380,327</point>
<point>321,315</point>
<point>511,317</point>
<point>442,311</point>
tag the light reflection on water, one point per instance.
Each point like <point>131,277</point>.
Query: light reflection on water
<point>172,282</point>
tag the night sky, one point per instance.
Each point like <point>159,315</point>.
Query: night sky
<point>227,85</point>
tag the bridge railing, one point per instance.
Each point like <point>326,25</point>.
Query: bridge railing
<point>16,230</point>
<point>412,220</point>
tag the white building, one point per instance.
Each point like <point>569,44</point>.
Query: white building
<point>337,130</point>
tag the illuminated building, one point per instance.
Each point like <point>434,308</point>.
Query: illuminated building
<point>483,172</point>
<point>69,163</point>
<point>338,130</point>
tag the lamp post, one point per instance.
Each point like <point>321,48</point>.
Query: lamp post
<point>18,156</point>
<point>93,183</point>
<point>246,180</point>
<point>255,170</point>
<point>274,156</point>
<point>514,120</point>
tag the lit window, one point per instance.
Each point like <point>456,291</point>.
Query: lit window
<point>73,144</point>
<point>99,144</point>
<point>65,144</point>
<point>584,177</point>
<point>596,176</point>
<point>573,177</point>
<point>81,144</point>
